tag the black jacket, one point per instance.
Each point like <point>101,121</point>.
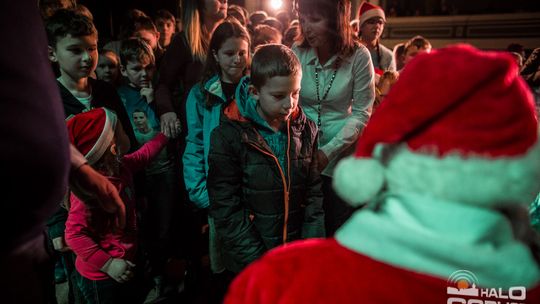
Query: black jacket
<point>103,95</point>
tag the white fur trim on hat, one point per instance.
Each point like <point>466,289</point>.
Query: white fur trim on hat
<point>358,180</point>
<point>105,138</point>
<point>474,180</point>
<point>374,12</point>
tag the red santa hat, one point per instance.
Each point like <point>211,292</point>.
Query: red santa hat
<point>92,132</point>
<point>368,11</point>
<point>460,124</point>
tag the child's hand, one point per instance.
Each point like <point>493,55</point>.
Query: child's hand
<point>119,270</point>
<point>59,244</point>
<point>148,93</point>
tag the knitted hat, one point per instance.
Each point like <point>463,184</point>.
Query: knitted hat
<point>466,132</point>
<point>92,132</point>
<point>368,11</point>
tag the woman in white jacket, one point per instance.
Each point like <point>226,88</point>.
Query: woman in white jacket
<point>337,89</point>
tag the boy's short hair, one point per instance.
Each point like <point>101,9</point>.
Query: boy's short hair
<point>237,12</point>
<point>291,35</point>
<point>135,49</point>
<point>263,34</point>
<point>68,22</point>
<point>145,23</point>
<point>257,17</point>
<point>165,15</point>
<point>102,51</point>
<point>272,60</point>
<point>83,10</point>
<point>273,22</point>
<point>418,41</point>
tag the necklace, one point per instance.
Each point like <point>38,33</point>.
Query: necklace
<point>319,106</point>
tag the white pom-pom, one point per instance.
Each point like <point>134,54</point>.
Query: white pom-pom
<point>358,180</point>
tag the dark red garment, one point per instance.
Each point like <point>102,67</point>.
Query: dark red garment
<point>323,271</point>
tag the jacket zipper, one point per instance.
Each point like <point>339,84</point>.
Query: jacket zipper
<point>286,186</point>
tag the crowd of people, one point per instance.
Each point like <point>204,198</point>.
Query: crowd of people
<point>223,155</point>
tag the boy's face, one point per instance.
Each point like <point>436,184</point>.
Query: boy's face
<point>373,28</point>
<point>413,50</point>
<point>150,37</point>
<point>107,67</point>
<point>166,30</point>
<point>139,72</point>
<point>278,98</point>
<point>76,56</point>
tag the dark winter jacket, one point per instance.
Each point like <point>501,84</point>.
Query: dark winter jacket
<point>258,204</point>
<point>103,95</point>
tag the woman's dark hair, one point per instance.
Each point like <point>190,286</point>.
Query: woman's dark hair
<point>338,13</point>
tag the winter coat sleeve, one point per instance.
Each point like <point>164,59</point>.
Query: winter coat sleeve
<point>139,159</point>
<point>194,162</point>
<point>172,64</point>
<point>80,237</point>
<point>313,225</point>
<point>363,96</point>
<point>241,241</point>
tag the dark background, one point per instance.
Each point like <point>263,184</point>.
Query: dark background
<point>107,14</point>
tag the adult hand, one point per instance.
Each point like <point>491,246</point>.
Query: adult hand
<point>169,125</point>
<point>119,270</point>
<point>92,187</point>
<point>322,160</point>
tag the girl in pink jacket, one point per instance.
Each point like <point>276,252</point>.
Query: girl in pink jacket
<point>105,256</point>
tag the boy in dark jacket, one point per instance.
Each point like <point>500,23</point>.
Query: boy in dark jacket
<point>263,183</point>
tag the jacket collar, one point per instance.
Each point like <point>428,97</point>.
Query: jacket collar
<point>213,86</point>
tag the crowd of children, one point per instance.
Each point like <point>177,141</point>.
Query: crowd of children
<point>221,135</point>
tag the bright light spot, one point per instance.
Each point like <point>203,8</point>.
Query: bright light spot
<point>276,4</point>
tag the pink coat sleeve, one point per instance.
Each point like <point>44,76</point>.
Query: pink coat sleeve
<point>144,155</point>
<point>79,235</point>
